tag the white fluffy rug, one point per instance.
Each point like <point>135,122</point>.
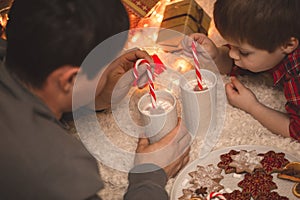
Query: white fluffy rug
<point>239,128</point>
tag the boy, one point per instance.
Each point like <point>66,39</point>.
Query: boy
<point>262,36</point>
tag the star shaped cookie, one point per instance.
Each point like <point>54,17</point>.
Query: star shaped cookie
<point>209,171</point>
<point>225,160</point>
<point>246,161</point>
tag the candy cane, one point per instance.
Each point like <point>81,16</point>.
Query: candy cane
<point>215,195</point>
<point>159,67</point>
<point>135,71</point>
<point>197,66</point>
<point>151,86</point>
<point>150,79</point>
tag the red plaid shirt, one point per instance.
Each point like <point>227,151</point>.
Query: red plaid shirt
<point>287,73</point>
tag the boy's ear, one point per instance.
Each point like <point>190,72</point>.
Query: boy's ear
<point>290,45</point>
<point>67,78</point>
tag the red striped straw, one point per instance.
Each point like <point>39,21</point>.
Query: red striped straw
<point>197,66</point>
<point>150,79</point>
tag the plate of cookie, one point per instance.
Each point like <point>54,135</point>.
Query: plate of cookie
<point>247,172</point>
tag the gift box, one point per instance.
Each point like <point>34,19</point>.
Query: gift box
<point>183,8</point>
<point>140,7</point>
<point>185,17</point>
<point>137,9</point>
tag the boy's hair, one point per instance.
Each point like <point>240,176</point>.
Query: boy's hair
<point>44,35</point>
<point>264,24</point>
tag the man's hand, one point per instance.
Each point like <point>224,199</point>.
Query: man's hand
<point>114,72</point>
<point>170,153</point>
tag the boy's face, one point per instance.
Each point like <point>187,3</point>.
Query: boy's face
<point>256,60</point>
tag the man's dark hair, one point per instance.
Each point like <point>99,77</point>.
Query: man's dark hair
<point>264,24</point>
<point>44,35</point>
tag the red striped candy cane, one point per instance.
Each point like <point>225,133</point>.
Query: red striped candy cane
<point>215,195</point>
<point>135,71</point>
<point>150,79</point>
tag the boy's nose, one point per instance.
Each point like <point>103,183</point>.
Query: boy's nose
<point>234,54</point>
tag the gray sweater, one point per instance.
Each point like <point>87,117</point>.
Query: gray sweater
<point>41,161</point>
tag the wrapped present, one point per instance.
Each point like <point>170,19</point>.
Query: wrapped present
<point>183,8</point>
<point>185,17</point>
<point>140,7</point>
<point>137,9</point>
<point>182,24</point>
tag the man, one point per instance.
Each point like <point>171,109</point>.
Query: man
<point>47,42</point>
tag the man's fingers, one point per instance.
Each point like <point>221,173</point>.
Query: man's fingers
<point>179,136</point>
<point>184,141</point>
<point>138,54</point>
<point>179,163</point>
<point>142,143</point>
<point>144,55</point>
<point>128,78</point>
<point>186,153</point>
<point>186,157</point>
<point>170,136</point>
<point>182,132</point>
<point>142,75</point>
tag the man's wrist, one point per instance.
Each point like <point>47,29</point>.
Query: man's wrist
<point>149,172</point>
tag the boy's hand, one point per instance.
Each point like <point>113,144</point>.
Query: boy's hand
<point>240,96</point>
<point>170,153</point>
<point>207,50</point>
<point>206,44</point>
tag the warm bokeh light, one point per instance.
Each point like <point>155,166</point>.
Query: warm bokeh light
<point>182,65</point>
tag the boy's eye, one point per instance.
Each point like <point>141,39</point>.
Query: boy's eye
<point>243,53</point>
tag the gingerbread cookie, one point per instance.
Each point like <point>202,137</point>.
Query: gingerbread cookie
<point>273,162</point>
<point>209,171</point>
<point>257,183</point>
<point>212,186</point>
<point>187,194</point>
<point>194,194</point>
<point>226,160</point>
<point>273,196</point>
<point>197,188</point>
<point>203,181</point>
<point>237,195</point>
<point>246,161</point>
